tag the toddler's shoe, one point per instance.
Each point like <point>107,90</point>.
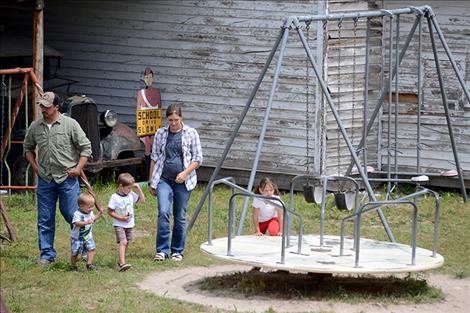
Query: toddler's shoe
<point>124,267</point>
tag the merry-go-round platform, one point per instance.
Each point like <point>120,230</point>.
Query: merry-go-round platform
<point>376,257</point>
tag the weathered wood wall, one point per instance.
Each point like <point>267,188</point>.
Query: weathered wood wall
<point>206,54</point>
<point>436,152</point>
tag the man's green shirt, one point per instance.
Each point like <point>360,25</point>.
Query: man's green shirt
<point>59,148</point>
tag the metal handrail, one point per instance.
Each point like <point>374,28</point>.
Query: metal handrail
<point>229,181</point>
<point>272,200</point>
<point>437,212</point>
<point>374,206</point>
<point>402,200</point>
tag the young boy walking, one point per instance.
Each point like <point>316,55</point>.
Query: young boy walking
<point>81,235</point>
<point>121,209</point>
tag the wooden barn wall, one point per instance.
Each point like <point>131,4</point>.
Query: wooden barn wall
<point>205,54</point>
<point>436,152</point>
<point>345,63</point>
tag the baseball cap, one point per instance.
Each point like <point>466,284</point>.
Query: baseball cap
<point>47,99</point>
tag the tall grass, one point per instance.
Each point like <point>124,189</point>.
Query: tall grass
<point>27,287</point>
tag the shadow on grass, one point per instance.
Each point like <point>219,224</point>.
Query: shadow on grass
<point>320,287</point>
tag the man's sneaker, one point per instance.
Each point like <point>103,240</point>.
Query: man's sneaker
<point>74,268</point>
<point>177,257</point>
<point>91,267</point>
<point>124,267</point>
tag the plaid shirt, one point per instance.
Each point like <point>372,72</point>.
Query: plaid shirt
<point>192,152</point>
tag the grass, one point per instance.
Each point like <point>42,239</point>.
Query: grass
<point>27,287</point>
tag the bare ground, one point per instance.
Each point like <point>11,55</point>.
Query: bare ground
<point>182,284</point>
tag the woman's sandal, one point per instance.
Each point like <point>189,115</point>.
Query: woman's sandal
<point>160,256</point>
<point>177,257</point>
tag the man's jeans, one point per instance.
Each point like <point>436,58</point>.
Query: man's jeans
<point>171,194</point>
<point>47,194</point>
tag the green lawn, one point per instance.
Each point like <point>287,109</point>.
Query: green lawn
<point>27,287</point>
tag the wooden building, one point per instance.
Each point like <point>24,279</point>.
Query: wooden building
<point>208,55</point>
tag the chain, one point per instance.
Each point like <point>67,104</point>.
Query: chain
<point>322,106</point>
<point>354,81</point>
<point>307,91</point>
<point>339,94</point>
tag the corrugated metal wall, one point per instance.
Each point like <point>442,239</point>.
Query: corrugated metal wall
<point>436,152</point>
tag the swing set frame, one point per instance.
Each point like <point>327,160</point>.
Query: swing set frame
<point>297,23</point>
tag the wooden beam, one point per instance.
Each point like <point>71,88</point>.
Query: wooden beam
<point>6,220</point>
<point>38,50</point>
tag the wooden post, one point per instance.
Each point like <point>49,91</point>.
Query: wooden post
<point>38,51</point>
<point>4,214</point>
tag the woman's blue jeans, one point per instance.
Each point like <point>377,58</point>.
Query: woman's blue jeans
<point>171,195</point>
<point>47,195</point>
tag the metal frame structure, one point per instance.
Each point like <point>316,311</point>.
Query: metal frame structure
<point>13,113</point>
<point>296,23</point>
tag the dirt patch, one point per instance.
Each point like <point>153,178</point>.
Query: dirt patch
<point>185,284</point>
<point>314,286</point>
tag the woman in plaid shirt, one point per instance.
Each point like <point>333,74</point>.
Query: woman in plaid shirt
<point>176,154</point>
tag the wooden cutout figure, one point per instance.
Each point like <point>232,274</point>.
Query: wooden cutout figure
<point>150,98</point>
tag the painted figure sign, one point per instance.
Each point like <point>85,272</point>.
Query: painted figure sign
<point>149,111</point>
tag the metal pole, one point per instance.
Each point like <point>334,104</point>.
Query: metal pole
<point>420,94</point>
<point>451,58</point>
<point>322,34</point>
<point>366,94</point>
<point>397,78</point>
<point>230,224</point>
<point>236,129</point>
<point>343,131</point>
<point>263,128</point>
<point>389,115</point>
<point>344,16</point>
<point>446,109</point>
<point>436,223</point>
<point>209,217</point>
<point>413,233</point>
<point>323,205</point>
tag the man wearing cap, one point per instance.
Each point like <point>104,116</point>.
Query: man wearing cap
<point>62,151</point>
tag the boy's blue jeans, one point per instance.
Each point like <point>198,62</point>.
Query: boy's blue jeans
<point>171,195</point>
<point>47,195</point>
